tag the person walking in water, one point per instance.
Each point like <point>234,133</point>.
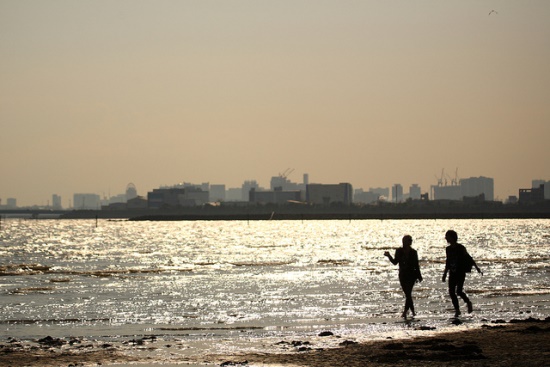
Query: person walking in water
<point>409,271</point>
<point>458,263</point>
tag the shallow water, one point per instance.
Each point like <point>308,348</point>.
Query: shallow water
<point>233,284</point>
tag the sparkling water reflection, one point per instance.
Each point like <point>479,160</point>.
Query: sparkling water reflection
<point>264,277</point>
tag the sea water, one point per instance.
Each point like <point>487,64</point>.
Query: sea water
<point>235,284</point>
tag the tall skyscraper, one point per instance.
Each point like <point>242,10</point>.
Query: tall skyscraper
<point>397,193</point>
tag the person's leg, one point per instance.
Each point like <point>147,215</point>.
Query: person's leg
<point>460,291</point>
<point>410,298</point>
<point>407,287</point>
<point>452,293</point>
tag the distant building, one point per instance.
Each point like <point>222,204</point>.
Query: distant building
<point>182,185</point>
<point>194,196</point>
<point>279,182</point>
<point>164,197</point>
<point>247,186</point>
<point>472,187</point>
<point>117,199</point>
<point>415,192</point>
<point>11,203</point>
<point>283,183</point>
<point>535,184</point>
<point>397,193</point>
<point>217,193</point>
<point>365,197</point>
<point>277,196</point>
<point>382,192</point>
<point>475,186</point>
<point>234,194</point>
<point>531,196</point>
<point>86,202</point>
<point>448,192</point>
<point>56,202</point>
<point>139,202</point>
<point>328,194</point>
<point>546,184</point>
<point>173,197</point>
<point>131,191</point>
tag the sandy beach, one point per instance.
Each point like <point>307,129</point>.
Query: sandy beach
<point>498,343</point>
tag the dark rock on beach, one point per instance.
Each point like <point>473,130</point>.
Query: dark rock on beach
<point>232,363</point>
<point>52,342</point>
<point>345,343</point>
<point>424,328</point>
<point>326,333</point>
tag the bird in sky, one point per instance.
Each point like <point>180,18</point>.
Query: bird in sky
<point>493,12</point>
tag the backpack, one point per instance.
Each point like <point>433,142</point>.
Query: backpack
<point>468,262</point>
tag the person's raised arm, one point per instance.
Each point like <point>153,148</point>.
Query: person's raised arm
<point>388,255</point>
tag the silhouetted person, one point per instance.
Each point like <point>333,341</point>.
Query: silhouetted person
<point>409,271</point>
<point>458,263</point>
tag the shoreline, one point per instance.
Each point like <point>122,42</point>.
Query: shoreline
<point>496,343</point>
<point>245,211</point>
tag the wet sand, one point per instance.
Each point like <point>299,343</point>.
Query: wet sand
<point>515,343</point>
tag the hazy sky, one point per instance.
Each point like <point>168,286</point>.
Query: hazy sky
<point>97,94</point>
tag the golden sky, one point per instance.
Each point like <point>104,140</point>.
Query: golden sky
<point>97,94</point>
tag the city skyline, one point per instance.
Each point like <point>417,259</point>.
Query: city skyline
<point>56,200</point>
<point>94,95</point>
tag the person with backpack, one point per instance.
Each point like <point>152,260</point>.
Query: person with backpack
<point>458,263</point>
<point>409,271</point>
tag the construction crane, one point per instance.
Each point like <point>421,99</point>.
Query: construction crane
<point>440,179</point>
<point>286,173</point>
<point>456,179</point>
